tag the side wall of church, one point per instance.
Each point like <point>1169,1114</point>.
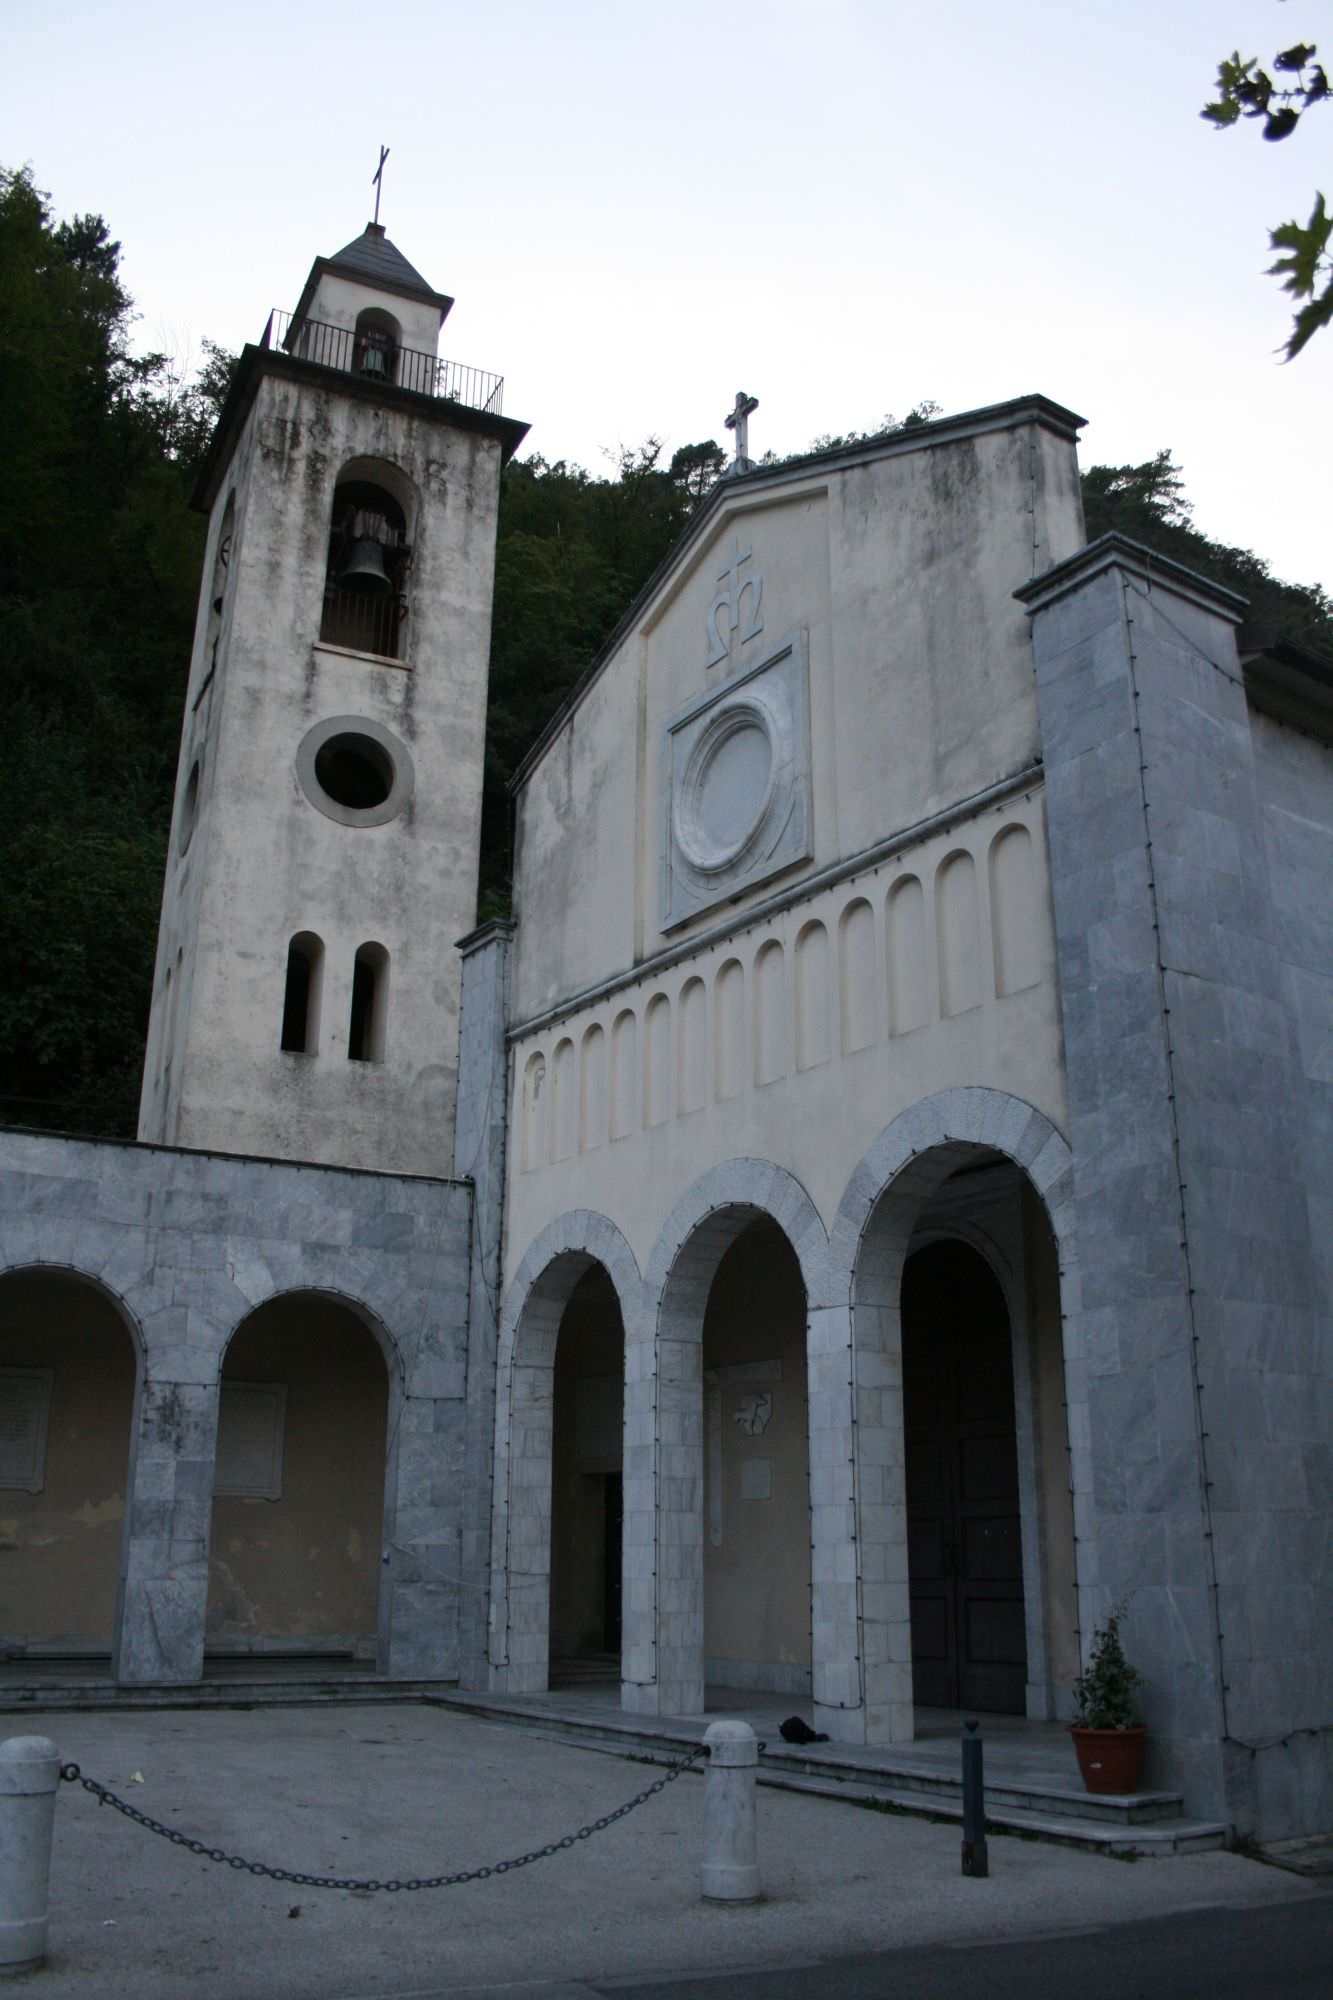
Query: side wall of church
<point>141,1265</point>
<point>1206,1352</point>
<point>1294,776</point>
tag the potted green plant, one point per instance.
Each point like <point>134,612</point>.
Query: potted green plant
<point>1107,1730</point>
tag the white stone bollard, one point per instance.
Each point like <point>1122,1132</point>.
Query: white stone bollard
<point>29,1781</point>
<point>730,1872</point>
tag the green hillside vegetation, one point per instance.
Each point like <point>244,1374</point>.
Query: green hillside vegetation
<point>99,568</point>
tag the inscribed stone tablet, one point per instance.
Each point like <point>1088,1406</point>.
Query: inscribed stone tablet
<point>25,1401</point>
<point>250,1421</point>
<point>756,1479</point>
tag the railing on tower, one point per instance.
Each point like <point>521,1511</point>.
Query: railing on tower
<point>373,357</point>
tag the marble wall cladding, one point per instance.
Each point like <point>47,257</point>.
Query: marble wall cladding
<point>1192,1129</point>
<point>186,1245</point>
<point>480,1135</point>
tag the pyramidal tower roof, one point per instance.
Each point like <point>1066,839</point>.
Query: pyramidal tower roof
<point>370,259</point>
<point>371,255</point>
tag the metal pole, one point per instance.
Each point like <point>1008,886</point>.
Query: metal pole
<point>975,1859</point>
<point>29,1780</point>
<point>730,1872</point>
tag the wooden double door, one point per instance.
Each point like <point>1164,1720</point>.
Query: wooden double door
<point>965,1557</point>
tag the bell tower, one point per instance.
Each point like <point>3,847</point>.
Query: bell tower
<point>323,855</point>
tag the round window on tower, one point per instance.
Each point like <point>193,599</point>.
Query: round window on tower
<point>354,770</point>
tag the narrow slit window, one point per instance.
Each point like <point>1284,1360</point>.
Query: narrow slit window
<point>370,987</point>
<point>300,1003</point>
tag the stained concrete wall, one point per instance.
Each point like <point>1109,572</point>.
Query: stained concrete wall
<point>264,862</point>
<point>898,564</point>
<point>798,1035</point>
<point>912,950</point>
<point>60,1545</point>
<point>187,1245</point>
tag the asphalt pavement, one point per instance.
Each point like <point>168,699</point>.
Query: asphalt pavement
<point>402,1791</point>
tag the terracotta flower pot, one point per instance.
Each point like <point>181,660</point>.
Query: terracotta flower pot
<point>1109,1759</point>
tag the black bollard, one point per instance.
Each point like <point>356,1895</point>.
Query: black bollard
<point>975,1860</point>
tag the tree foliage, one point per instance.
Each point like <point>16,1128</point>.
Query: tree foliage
<point>1147,502</point>
<point>1246,90</point>
<point>99,564</point>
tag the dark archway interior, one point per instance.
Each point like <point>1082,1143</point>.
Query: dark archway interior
<point>586,1460</point>
<point>964,1538</point>
<point>67,1372</point>
<point>294,1558</point>
<point>756,1467</point>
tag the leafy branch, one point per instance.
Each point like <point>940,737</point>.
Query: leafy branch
<point>1245,90</point>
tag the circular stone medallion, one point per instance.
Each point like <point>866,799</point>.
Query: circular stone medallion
<point>727,786</point>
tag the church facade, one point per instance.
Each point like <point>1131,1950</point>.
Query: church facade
<point>864,1218</point>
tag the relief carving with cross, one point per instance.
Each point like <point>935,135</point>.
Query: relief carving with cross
<point>735,609</point>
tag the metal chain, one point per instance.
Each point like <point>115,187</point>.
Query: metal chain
<point>72,1775</point>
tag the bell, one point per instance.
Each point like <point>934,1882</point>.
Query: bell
<point>374,361</point>
<point>365,569</point>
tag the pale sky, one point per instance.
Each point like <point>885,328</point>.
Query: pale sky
<point>843,208</point>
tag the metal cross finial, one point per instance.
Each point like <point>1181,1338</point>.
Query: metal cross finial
<point>739,421</point>
<point>377,178</point>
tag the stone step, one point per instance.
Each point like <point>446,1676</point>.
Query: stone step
<point>230,1690</point>
<point>1167,1836</point>
<point>1150,1823</point>
<point>1022,1794</point>
<point>1146,1824</point>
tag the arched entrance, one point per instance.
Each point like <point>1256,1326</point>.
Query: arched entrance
<point>964,1535</point>
<point>746,1532</point>
<point>298,1507</point>
<point>587,1499</point>
<point>68,1369</point>
<point>989,1175</point>
<point>557,1529</point>
<point>756,1468</point>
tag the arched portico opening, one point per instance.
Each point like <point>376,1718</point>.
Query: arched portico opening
<point>756,1468</point>
<point>743,1558</point>
<point>587,1491</point>
<point>958,1247</point>
<point>299,1486</point>
<point>964,1536</point>
<point>68,1378</point>
<point>559,1502</point>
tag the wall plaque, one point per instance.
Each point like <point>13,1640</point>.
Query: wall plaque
<point>25,1407</point>
<point>250,1426</point>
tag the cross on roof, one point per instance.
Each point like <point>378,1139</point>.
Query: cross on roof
<point>377,180</point>
<point>739,421</point>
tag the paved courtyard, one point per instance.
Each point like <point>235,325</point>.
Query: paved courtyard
<point>401,1789</point>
